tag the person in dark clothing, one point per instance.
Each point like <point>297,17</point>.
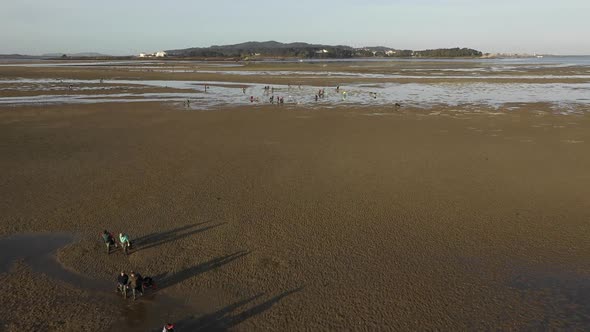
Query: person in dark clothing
<point>122,281</point>
<point>109,240</point>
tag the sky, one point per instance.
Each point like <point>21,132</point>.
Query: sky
<point>125,27</point>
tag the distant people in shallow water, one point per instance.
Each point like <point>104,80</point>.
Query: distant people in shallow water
<point>321,93</point>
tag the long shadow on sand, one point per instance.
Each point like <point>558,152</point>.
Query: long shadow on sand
<point>167,280</point>
<point>156,239</point>
<point>229,317</point>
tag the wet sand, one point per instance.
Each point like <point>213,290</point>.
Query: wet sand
<point>265,218</point>
<point>317,74</point>
<point>470,86</point>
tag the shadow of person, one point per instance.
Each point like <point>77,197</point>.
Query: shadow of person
<point>166,280</point>
<point>227,317</point>
<point>156,239</point>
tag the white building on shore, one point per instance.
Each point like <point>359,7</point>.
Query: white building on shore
<point>159,54</point>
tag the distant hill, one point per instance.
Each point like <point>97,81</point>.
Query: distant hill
<point>253,50</point>
<point>267,49</point>
<point>18,56</point>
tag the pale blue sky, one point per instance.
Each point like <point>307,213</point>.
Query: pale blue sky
<point>133,26</point>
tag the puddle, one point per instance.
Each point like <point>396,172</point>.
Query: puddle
<point>35,249</point>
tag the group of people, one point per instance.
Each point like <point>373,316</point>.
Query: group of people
<point>133,282</point>
<point>272,99</point>
<point>280,100</point>
<point>109,241</point>
<point>321,93</point>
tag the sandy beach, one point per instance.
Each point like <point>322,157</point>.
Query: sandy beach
<point>259,217</point>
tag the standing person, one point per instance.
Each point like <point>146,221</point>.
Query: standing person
<point>135,283</point>
<point>316,97</point>
<point>122,281</point>
<point>125,242</point>
<point>109,240</point>
<point>244,90</point>
<point>272,99</point>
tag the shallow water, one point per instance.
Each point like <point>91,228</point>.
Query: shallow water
<point>569,97</point>
<point>565,86</point>
<point>38,251</point>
